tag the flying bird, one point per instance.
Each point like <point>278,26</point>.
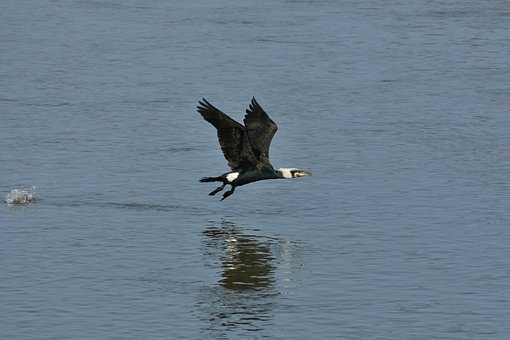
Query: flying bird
<point>245,147</point>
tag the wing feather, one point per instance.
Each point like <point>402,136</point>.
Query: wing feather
<point>261,130</point>
<point>231,135</point>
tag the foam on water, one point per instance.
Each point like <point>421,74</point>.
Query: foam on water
<point>20,196</point>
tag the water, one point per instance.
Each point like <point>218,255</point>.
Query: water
<point>400,110</point>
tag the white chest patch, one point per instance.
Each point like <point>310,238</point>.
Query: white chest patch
<point>232,176</point>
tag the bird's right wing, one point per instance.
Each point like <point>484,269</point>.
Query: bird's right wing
<point>261,130</point>
<point>231,135</point>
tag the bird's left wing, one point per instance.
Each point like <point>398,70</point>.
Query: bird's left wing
<point>261,130</point>
<point>231,135</point>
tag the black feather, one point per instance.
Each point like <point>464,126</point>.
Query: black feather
<point>232,136</point>
<point>261,130</point>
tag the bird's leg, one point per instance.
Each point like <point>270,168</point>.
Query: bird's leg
<point>228,193</point>
<point>217,190</point>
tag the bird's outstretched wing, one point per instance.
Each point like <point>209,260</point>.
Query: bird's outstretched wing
<point>231,135</point>
<point>260,129</point>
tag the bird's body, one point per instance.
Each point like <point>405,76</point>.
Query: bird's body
<point>251,175</point>
<point>246,148</point>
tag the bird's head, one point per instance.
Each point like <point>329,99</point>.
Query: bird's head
<point>292,173</point>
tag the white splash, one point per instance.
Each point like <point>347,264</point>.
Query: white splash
<point>21,196</point>
<point>232,176</point>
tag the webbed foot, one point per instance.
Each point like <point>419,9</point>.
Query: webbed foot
<point>228,193</point>
<point>217,190</point>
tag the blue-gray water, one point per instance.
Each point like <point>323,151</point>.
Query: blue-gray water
<point>400,109</point>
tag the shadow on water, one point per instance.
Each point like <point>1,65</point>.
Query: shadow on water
<point>133,206</point>
<point>243,299</point>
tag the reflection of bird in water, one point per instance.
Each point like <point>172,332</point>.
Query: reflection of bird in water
<point>246,262</point>
<point>243,300</point>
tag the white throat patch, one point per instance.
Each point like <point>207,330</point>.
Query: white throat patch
<point>232,176</point>
<point>286,172</point>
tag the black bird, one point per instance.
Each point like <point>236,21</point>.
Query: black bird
<point>246,147</point>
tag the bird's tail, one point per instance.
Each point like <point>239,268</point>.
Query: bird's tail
<point>211,179</point>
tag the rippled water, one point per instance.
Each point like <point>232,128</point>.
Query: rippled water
<point>400,110</point>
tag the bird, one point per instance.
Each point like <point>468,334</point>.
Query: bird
<point>245,147</point>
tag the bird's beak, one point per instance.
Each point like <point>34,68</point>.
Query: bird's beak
<point>303,173</point>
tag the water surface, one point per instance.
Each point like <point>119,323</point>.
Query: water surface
<point>399,108</point>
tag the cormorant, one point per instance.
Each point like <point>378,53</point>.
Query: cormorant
<point>245,147</point>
